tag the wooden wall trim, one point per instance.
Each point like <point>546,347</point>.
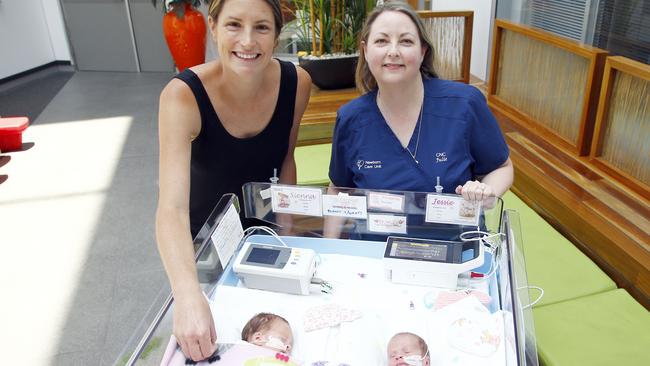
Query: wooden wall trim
<point>590,103</point>
<point>445,14</point>
<point>629,66</point>
<point>570,45</point>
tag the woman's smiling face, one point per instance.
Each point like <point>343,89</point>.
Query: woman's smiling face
<point>245,35</point>
<point>394,51</point>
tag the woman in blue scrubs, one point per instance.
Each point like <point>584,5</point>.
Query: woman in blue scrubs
<point>410,129</point>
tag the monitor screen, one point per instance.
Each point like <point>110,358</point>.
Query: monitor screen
<point>423,251</point>
<point>263,255</point>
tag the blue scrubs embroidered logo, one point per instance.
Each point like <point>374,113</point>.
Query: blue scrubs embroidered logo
<point>360,164</point>
<point>441,157</point>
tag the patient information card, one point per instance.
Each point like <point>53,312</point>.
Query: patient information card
<point>299,201</point>
<point>386,201</point>
<point>345,206</point>
<point>227,235</point>
<point>452,210</point>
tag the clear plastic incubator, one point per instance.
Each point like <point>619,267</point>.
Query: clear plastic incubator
<point>349,269</point>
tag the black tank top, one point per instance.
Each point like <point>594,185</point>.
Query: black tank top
<point>222,163</point>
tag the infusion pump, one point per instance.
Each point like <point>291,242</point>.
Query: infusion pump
<point>275,268</point>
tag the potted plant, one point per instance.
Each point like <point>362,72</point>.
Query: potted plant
<point>185,30</point>
<point>327,36</point>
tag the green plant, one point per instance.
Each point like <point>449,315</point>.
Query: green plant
<point>328,26</point>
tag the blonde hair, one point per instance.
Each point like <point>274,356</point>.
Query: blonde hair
<point>215,7</point>
<point>364,79</point>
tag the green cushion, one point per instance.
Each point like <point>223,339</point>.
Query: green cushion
<point>313,163</point>
<point>609,328</point>
<point>554,263</point>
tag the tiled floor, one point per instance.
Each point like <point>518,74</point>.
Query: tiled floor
<point>78,264</point>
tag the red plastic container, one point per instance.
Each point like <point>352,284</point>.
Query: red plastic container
<point>11,133</point>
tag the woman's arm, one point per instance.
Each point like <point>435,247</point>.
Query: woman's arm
<point>179,123</point>
<point>495,183</point>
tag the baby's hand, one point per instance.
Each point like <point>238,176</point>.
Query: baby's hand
<point>475,191</point>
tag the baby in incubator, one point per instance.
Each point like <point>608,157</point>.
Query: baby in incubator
<point>269,331</point>
<point>408,349</point>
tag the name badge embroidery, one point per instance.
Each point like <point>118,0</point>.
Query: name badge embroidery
<point>368,164</point>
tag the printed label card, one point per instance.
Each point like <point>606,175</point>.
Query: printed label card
<point>295,200</point>
<point>227,235</point>
<point>386,201</point>
<point>345,206</point>
<point>452,210</point>
<point>381,223</point>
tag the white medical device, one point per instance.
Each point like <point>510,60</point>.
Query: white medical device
<point>275,268</point>
<point>427,262</point>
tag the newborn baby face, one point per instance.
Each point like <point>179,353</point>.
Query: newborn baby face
<point>404,350</point>
<point>277,336</point>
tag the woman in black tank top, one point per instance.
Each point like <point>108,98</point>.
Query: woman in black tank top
<point>222,124</point>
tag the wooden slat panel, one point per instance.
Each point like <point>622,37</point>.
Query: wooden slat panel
<point>531,81</point>
<point>626,136</point>
<point>547,82</point>
<point>451,34</point>
<point>447,37</point>
<point>623,123</point>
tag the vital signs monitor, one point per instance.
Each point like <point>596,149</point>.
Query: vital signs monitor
<point>275,268</point>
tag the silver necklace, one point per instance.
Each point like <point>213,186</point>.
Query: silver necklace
<point>419,124</point>
<point>417,141</point>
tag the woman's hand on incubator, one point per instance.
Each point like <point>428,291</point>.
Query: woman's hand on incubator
<point>475,191</point>
<point>194,326</point>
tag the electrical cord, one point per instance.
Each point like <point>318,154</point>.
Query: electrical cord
<point>490,247</point>
<point>320,285</point>
<point>483,236</point>
<point>541,294</point>
<point>249,231</point>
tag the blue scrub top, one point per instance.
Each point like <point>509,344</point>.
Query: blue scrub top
<point>459,140</point>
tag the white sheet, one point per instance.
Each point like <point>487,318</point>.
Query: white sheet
<point>387,308</point>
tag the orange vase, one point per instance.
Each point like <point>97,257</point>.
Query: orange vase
<point>185,37</point>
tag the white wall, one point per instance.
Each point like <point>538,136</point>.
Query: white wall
<point>211,52</point>
<point>29,38</point>
<point>56,27</point>
<point>483,10</point>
